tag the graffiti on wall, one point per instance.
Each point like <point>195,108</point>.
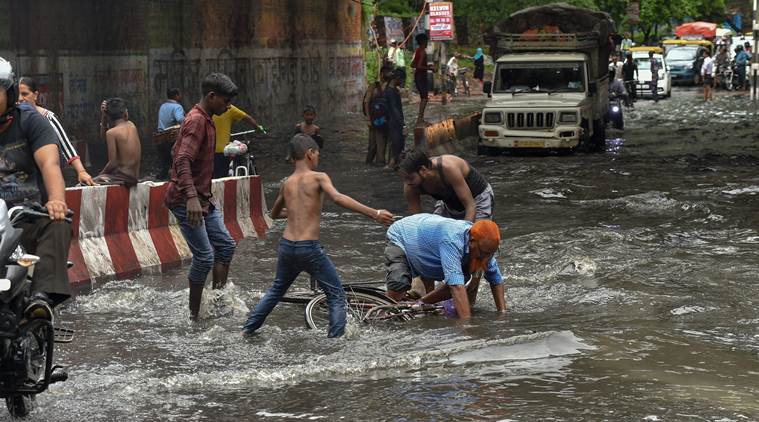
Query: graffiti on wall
<point>271,87</point>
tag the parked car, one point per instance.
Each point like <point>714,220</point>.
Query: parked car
<point>684,58</point>
<point>642,59</point>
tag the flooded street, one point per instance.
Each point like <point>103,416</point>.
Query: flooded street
<point>631,287</point>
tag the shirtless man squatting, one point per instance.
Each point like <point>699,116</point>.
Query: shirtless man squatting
<point>123,141</point>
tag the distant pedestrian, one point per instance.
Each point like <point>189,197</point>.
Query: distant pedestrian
<point>308,127</point>
<point>375,109</point>
<point>421,66</point>
<point>223,125</point>
<point>479,65</point>
<point>721,62</point>
<point>742,59</point>
<point>124,147</point>
<point>655,66</point>
<point>27,88</point>
<point>627,43</point>
<point>396,123</point>
<point>630,77</point>
<point>452,67</point>
<point>707,70</point>
<point>189,196</point>
<point>616,66</point>
<point>170,115</point>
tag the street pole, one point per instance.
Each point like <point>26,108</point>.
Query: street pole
<point>755,59</point>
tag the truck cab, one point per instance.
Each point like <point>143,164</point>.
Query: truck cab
<point>550,87</point>
<point>538,100</point>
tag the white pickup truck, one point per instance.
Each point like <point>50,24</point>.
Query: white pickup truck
<point>550,85</point>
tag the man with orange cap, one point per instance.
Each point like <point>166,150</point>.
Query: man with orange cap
<point>438,248</point>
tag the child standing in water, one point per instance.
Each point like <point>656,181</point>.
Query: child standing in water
<point>300,201</point>
<point>308,127</point>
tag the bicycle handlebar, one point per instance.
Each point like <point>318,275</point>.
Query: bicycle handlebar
<point>247,132</point>
<point>260,129</point>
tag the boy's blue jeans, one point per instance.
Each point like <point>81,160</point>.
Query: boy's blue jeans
<point>209,242</point>
<point>294,258</point>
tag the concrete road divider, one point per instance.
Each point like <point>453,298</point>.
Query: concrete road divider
<point>119,231</point>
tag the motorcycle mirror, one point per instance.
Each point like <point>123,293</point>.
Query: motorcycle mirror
<point>5,285</point>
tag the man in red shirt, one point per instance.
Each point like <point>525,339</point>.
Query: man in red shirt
<point>189,193</point>
<point>419,63</point>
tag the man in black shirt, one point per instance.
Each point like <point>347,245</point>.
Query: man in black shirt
<point>630,75</point>
<point>30,172</point>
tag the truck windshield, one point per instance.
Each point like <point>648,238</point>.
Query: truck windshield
<point>682,53</point>
<point>540,77</point>
<point>645,62</point>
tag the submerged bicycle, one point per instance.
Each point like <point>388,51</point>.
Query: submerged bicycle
<point>365,304</point>
<point>360,298</point>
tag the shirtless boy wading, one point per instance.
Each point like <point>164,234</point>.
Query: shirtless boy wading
<point>300,201</point>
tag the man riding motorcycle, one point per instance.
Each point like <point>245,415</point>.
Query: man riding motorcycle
<point>630,77</point>
<point>30,172</point>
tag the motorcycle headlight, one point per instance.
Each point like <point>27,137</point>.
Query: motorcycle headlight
<point>568,117</point>
<point>615,109</point>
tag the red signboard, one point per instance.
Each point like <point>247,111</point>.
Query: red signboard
<point>441,21</point>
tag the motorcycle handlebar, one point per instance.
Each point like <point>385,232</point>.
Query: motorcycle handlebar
<point>34,211</point>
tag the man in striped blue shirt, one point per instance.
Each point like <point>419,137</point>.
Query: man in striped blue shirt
<point>439,248</point>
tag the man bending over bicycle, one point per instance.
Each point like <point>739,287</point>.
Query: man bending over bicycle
<point>439,248</point>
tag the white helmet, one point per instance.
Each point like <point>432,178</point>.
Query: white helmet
<point>8,83</point>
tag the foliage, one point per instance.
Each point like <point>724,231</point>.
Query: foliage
<point>654,14</point>
<point>399,8</point>
<point>657,13</point>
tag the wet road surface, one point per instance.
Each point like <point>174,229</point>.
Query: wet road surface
<point>631,287</point>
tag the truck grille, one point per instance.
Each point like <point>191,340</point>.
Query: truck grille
<point>530,120</point>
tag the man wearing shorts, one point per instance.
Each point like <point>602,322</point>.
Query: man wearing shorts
<point>438,248</point>
<point>460,190</point>
<point>419,63</point>
<point>707,69</point>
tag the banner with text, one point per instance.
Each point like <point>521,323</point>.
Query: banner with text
<point>441,21</point>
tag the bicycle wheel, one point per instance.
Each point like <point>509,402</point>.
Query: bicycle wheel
<point>358,304</point>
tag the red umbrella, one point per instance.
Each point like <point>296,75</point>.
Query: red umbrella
<point>704,29</point>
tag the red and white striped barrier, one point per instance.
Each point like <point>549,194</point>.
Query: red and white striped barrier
<point>119,231</point>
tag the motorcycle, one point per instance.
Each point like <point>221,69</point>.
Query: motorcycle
<point>615,112</point>
<point>728,76</point>
<point>27,331</point>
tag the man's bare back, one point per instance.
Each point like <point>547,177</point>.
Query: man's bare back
<point>303,190</point>
<point>124,154</point>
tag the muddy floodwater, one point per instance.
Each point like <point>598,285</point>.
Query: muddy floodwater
<point>632,287</point>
